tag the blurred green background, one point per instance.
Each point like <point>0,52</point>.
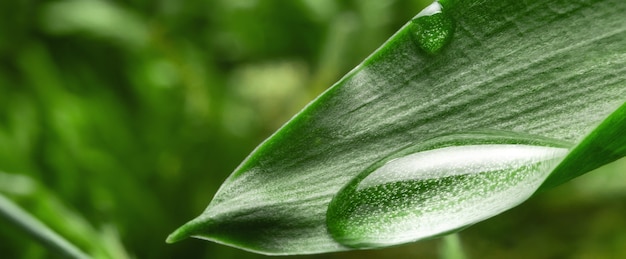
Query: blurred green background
<point>120,119</point>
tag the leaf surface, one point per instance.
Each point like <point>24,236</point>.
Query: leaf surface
<point>551,69</point>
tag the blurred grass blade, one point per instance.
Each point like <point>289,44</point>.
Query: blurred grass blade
<point>552,69</point>
<point>452,248</point>
<point>45,207</point>
<point>13,213</point>
<point>98,18</point>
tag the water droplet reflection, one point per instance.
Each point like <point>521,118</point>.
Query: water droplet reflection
<point>432,29</point>
<point>432,192</point>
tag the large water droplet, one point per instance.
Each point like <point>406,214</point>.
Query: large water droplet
<point>433,192</point>
<point>432,29</point>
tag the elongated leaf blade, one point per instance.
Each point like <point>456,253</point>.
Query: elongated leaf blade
<point>606,144</point>
<point>16,215</point>
<point>554,69</point>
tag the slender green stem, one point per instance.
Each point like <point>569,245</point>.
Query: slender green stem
<point>452,248</point>
<point>38,230</point>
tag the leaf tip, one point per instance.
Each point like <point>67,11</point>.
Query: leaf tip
<point>178,235</point>
<point>189,229</point>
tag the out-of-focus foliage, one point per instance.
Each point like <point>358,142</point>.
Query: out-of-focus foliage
<point>119,118</point>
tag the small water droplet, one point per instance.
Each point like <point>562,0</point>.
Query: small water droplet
<point>433,192</point>
<point>432,29</point>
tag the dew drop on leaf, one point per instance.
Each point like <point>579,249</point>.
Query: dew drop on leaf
<point>431,28</point>
<point>433,192</point>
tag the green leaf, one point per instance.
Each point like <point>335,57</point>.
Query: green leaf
<point>604,145</point>
<point>550,69</point>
